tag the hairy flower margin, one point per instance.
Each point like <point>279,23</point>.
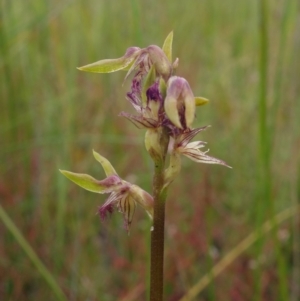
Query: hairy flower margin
<point>164,104</point>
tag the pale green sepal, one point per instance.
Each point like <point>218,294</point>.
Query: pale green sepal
<point>167,46</point>
<point>152,143</point>
<point>148,82</point>
<point>108,168</point>
<point>108,65</point>
<point>200,101</point>
<point>127,68</point>
<point>85,181</point>
<point>132,67</point>
<point>142,197</point>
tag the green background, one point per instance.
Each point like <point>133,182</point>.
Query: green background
<point>241,55</point>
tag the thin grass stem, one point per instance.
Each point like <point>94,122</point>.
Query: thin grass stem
<point>32,255</point>
<point>232,255</point>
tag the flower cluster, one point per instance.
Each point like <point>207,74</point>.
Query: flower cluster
<point>165,106</point>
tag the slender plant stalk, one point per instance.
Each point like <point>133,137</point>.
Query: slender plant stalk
<point>158,231</point>
<point>32,255</point>
<point>157,240</point>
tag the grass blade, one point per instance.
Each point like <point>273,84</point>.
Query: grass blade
<point>32,255</point>
<point>237,251</point>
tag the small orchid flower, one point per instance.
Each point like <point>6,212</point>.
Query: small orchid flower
<point>123,195</point>
<point>181,145</point>
<point>140,60</point>
<point>150,115</point>
<point>180,102</point>
<point>148,64</point>
<point>191,150</point>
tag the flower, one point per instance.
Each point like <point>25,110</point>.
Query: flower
<point>140,60</point>
<point>181,145</point>
<point>180,102</point>
<point>191,150</point>
<point>123,195</point>
<point>150,114</point>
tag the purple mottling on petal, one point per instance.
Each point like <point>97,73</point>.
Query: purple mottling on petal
<point>125,188</point>
<point>105,211</point>
<point>131,50</point>
<point>153,93</point>
<point>136,84</point>
<point>133,98</point>
<point>141,66</point>
<point>186,136</point>
<point>139,121</point>
<point>173,130</point>
<point>181,111</point>
<point>111,181</point>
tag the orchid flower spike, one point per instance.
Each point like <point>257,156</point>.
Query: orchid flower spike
<point>123,195</point>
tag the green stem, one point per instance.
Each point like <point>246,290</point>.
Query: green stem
<point>157,234</point>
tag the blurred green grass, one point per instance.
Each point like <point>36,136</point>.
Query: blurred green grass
<point>52,116</point>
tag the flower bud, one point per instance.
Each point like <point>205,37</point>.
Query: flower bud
<point>180,102</point>
<point>153,145</point>
<point>160,61</point>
